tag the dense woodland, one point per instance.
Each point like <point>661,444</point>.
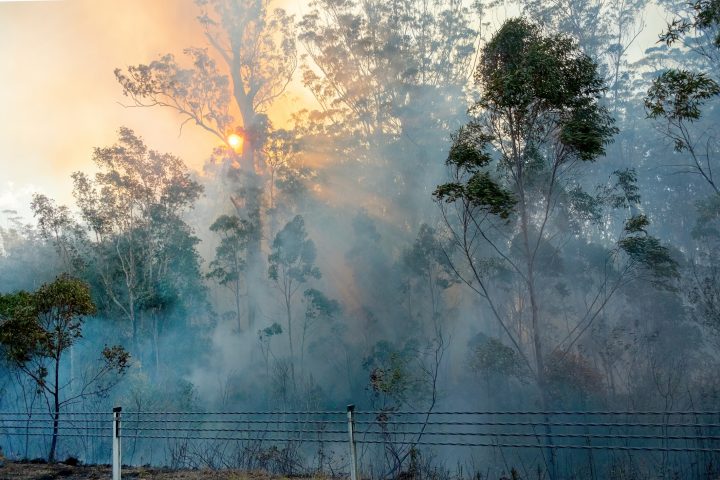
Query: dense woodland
<point>471,215</point>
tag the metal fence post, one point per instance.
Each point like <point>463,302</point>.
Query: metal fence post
<point>351,436</point>
<point>116,452</point>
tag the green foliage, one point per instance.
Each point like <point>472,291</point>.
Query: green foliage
<point>117,357</point>
<point>625,193</point>
<point>230,262</point>
<point>705,16</point>
<point>677,95</point>
<point>492,357</point>
<point>293,254</point>
<point>466,152</point>
<point>274,329</point>
<point>539,109</point>
<point>480,191</point>
<point>427,259</point>
<point>647,252</point>
<point>287,175</point>
<point>142,254</point>
<point>584,205</point>
<point>39,327</point>
<point>61,307</point>
<point>637,224</point>
<point>318,305</point>
<point>393,380</point>
<point>20,331</point>
<point>44,323</point>
<point>530,75</point>
<point>57,225</point>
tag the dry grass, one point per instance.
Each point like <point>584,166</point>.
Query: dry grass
<point>31,471</point>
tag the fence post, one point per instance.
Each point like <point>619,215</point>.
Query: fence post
<point>116,452</point>
<point>351,435</point>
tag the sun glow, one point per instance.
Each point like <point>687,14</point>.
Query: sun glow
<point>235,141</point>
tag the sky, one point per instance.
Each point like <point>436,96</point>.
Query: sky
<point>59,96</point>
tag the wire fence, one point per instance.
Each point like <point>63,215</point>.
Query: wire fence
<point>401,428</point>
<point>656,432</point>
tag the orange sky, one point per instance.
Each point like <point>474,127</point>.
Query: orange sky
<point>59,96</point>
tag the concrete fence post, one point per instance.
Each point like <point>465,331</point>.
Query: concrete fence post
<point>116,445</point>
<point>351,437</point>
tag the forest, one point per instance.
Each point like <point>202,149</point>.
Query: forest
<point>477,211</point>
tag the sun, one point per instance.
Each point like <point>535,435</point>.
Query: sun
<point>235,141</point>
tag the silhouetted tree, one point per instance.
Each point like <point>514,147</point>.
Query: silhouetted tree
<point>292,264</point>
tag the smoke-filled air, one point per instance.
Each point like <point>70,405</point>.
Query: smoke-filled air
<point>492,227</point>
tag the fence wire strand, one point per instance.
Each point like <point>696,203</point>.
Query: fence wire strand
<point>387,428</point>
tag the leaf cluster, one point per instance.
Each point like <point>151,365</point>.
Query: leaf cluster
<point>230,255</point>
<point>293,253</point>
<point>468,157</point>
<point>705,16</point>
<point>647,252</point>
<point>42,325</point>
<point>200,92</point>
<point>491,356</point>
<point>678,95</point>
<point>540,83</point>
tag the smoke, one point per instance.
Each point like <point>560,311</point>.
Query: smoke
<point>379,314</point>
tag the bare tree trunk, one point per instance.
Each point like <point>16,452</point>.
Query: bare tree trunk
<point>56,411</point>
<point>250,207</point>
<point>237,302</point>
<point>536,329</point>
<point>290,338</point>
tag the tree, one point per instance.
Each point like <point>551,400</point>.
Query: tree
<point>318,308</point>
<point>57,225</point>
<point>292,264</point>
<point>683,104</point>
<point>228,267</point>
<point>287,176</point>
<point>133,244</point>
<point>428,273</point>
<point>375,65</point>
<point>512,195</point>
<point>605,31</point>
<point>26,259</point>
<point>390,79</point>
<point>257,48</point>
<point>702,21</point>
<point>40,327</point>
<point>676,98</point>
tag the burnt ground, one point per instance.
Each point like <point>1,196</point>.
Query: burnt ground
<point>39,471</point>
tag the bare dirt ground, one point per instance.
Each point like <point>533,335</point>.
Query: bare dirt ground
<point>31,471</point>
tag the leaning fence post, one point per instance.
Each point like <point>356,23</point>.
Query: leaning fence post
<point>351,435</point>
<point>116,452</point>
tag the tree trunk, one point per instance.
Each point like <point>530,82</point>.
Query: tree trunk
<point>237,302</point>
<point>290,339</point>
<point>56,411</point>
<point>250,208</point>
<point>536,329</point>
<point>156,341</point>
